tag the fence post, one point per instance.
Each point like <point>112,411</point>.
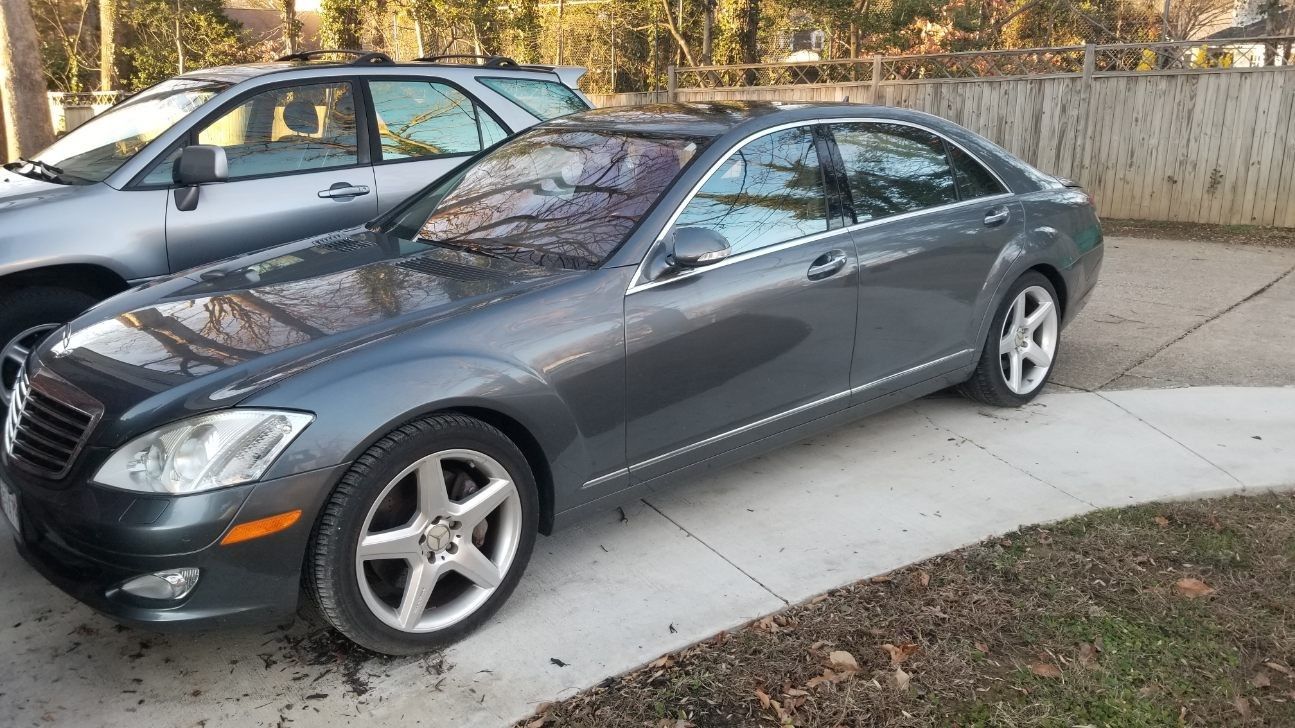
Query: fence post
<point>1083,164</point>
<point>671,82</point>
<point>1090,61</point>
<point>876,80</point>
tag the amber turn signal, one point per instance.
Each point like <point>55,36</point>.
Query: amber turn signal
<point>260,527</point>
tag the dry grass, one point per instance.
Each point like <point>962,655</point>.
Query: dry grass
<point>1094,621</point>
<point>1238,234</point>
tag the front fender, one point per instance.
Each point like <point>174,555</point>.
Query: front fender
<point>355,405</point>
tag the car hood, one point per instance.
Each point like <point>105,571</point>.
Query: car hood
<point>18,191</point>
<point>222,332</point>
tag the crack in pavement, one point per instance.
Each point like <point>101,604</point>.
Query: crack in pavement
<point>1193,328</point>
<point>1171,438</point>
<point>1002,460</point>
<point>713,550</point>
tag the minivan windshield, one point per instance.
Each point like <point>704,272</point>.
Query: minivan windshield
<point>561,198</point>
<point>94,150</point>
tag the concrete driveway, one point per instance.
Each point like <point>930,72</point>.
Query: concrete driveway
<point>703,556</point>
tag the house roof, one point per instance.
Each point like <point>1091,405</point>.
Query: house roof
<point>1257,29</point>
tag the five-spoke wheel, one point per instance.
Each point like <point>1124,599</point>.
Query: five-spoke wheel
<point>425,536</point>
<point>1022,345</point>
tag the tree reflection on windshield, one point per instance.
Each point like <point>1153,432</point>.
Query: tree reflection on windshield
<point>563,199</point>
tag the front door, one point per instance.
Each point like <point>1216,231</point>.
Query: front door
<point>930,222</point>
<point>295,169</point>
<point>759,342</point>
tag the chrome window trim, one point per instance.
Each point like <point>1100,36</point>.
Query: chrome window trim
<point>638,283</point>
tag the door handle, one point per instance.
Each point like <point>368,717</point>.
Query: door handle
<point>344,189</point>
<point>997,216</point>
<point>826,265</point>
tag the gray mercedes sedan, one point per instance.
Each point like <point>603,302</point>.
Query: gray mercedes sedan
<point>383,418</point>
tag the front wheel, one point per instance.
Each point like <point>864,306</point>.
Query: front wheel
<point>425,537</point>
<point>1021,347</point>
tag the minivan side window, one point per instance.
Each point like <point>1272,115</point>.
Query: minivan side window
<point>428,119</point>
<point>288,129</point>
<point>893,168</point>
<point>973,179</point>
<point>768,192</point>
<point>542,99</point>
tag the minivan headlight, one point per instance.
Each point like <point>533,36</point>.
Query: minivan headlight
<point>205,452</point>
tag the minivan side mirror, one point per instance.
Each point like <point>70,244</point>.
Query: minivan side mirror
<point>695,247</point>
<point>198,164</point>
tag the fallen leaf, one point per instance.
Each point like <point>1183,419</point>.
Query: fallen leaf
<point>1088,655</point>
<point>818,599</point>
<point>982,647</point>
<point>882,579</point>
<point>901,679</point>
<point>557,662</point>
<point>827,678</point>
<point>763,697</point>
<point>1045,669</point>
<point>795,692</point>
<point>538,722</point>
<point>900,653</point>
<point>843,661</point>
<point>1279,668</point>
<point>661,662</point>
<point>1242,705</point>
<point>766,625</point>
<point>1192,588</point>
<point>1261,680</point>
<point>818,645</point>
<point>922,578</point>
<point>1161,521</point>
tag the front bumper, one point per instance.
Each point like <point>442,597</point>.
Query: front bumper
<point>87,540</point>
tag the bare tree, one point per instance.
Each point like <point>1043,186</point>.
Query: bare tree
<point>107,44</point>
<point>291,26</point>
<point>22,82</point>
<point>1189,19</point>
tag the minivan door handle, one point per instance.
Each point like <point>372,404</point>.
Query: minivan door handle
<point>340,190</point>
<point>826,265</point>
<point>997,216</point>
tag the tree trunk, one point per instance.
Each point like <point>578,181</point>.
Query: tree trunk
<point>107,45</point>
<point>751,32</point>
<point>707,32</point>
<point>22,82</point>
<point>291,26</point>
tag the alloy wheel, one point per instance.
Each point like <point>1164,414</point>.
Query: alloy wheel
<point>438,541</point>
<point>1028,340</point>
<point>14,355</point>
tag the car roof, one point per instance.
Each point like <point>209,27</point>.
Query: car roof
<point>716,118</point>
<point>244,71</point>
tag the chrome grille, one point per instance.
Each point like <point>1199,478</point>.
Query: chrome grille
<point>43,430</point>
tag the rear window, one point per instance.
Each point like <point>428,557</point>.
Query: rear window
<point>542,99</point>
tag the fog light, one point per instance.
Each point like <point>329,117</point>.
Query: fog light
<point>168,584</point>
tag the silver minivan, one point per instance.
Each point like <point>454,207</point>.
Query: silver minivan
<point>224,161</point>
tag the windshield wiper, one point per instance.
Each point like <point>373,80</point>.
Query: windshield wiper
<point>465,248</point>
<point>42,170</point>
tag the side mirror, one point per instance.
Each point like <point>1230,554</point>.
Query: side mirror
<point>695,247</point>
<point>198,164</point>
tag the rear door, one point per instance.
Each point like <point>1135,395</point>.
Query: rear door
<point>421,129</point>
<point>929,224</point>
<point>297,167</point>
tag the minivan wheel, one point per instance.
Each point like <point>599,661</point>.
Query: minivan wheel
<point>1021,347</point>
<point>29,315</point>
<point>425,536</point>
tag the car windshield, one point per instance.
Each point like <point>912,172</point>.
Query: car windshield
<point>558,198</point>
<point>94,150</point>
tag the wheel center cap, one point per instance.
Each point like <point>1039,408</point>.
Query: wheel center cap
<point>438,537</point>
<point>1022,339</point>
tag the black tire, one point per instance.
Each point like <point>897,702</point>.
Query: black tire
<point>27,308</point>
<point>330,573</point>
<point>987,383</point>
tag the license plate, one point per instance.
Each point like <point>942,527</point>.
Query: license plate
<point>9,503</point>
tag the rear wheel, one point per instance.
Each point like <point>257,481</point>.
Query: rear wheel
<point>27,316</point>
<point>1019,352</point>
<point>425,537</point>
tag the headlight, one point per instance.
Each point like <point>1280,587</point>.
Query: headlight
<point>200,453</point>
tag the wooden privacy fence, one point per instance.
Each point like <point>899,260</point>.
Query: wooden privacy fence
<point>1197,131</point>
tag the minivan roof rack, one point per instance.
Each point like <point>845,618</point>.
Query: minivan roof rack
<point>487,61</point>
<point>361,57</point>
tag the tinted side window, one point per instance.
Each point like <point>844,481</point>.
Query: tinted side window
<point>291,129</point>
<point>973,179</point>
<point>893,168</point>
<point>770,191</point>
<point>542,99</point>
<point>427,119</point>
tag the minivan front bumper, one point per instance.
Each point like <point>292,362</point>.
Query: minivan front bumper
<point>88,549</point>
